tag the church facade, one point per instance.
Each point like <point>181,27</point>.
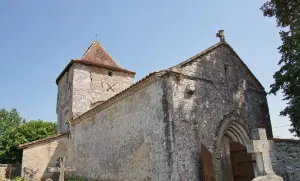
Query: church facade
<point>154,129</point>
<point>189,122</point>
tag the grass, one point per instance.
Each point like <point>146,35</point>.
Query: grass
<point>75,179</point>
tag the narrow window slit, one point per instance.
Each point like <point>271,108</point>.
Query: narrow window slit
<point>226,71</point>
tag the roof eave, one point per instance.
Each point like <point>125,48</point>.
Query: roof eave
<point>91,64</point>
<point>43,140</point>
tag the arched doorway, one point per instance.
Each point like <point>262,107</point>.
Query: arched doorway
<point>241,162</point>
<point>236,163</point>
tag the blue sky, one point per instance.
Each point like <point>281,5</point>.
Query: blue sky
<point>38,39</point>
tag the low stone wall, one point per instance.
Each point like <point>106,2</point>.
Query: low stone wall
<point>2,172</point>
<point>285,157</point>
<point>9,171</point>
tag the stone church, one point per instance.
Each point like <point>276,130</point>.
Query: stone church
<point>189,122</point>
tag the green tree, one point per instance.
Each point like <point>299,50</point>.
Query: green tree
<point>34,130</point>
<point>287,78</point>
<point>9,118</point>
<point>17,131</point>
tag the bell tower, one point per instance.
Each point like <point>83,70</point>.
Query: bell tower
<point>88,82</point>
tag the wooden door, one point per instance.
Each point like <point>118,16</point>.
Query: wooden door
<point>207,164</point>
<point>242,163</point>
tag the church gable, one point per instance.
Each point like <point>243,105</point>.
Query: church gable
<point>219,63</point>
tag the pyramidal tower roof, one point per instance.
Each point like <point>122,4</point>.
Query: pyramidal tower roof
<point>98,55</point>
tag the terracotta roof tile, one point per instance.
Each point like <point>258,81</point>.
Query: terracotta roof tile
<point>97,54</point>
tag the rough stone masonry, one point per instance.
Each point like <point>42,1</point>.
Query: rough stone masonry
<point>154,129</point>
<point>286,158</point>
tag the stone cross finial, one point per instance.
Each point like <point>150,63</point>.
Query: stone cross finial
<point>260,148</point>
<point>221,35</point>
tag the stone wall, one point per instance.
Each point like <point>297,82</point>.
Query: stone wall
<point>43,155</point>
<point>82,86</point>
<point>285,158</point>
<point>93,84</point>
<point>156,132</point>
<point>209,93</point>
<point>64,101</point>
<point>124,141</point>
<point>2,172</point>
<point>9,171</point>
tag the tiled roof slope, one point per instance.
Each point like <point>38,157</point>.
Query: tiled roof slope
<point>97,54</point>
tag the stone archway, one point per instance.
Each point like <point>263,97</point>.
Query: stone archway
<point>232,138</point>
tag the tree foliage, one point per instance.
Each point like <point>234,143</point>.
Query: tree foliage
<point>287,78</point>
<point>14,130</point>
<point>9,118</point>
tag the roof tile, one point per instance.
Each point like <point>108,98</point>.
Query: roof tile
<point>97,54</point>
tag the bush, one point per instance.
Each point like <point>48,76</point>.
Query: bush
<point>18,179</point>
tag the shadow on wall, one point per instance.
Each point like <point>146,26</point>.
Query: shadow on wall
<point>53,161</point>
<point>188,99</point>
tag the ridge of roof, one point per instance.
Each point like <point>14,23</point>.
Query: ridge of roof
<point>25,145</point>
<point>204,52</point>
<point>130,89</point>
